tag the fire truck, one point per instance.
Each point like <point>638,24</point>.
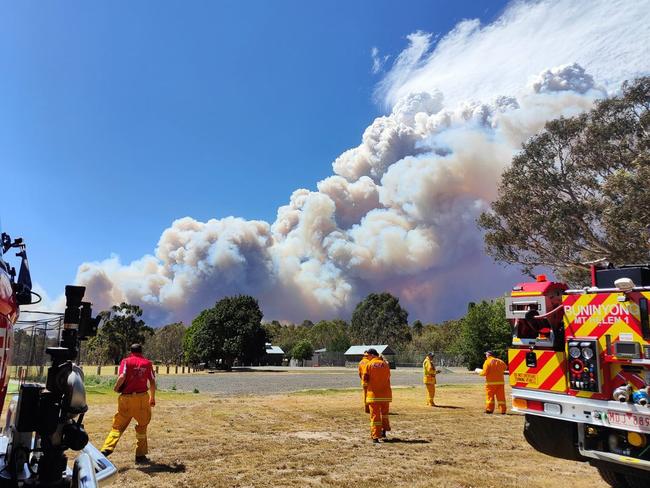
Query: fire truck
<point>579,368</point>
<point>44,421</point>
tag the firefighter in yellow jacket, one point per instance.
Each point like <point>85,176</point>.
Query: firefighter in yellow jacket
<point>430,371</point>
<point>376,379</point>
<point>493,370</point>
<point>362,368</point>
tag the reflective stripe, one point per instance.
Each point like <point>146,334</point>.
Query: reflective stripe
<point>501,403</point>
<point>376,423</point>
<point>494,382</point>
<point>140,436</point>
<point>377,399</point>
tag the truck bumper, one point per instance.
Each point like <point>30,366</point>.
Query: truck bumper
<point>584,412</point>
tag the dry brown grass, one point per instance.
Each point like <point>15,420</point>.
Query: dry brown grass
<point>321,438</point>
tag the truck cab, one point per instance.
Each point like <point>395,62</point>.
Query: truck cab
<point>579,368</point>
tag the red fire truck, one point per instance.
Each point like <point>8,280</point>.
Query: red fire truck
<point>580,370</point>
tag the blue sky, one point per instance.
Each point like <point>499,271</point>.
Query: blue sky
<point>117,118</point>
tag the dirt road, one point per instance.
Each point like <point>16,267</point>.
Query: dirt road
<point>269,380</point>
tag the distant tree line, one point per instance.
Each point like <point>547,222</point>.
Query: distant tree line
<point>232,333</point>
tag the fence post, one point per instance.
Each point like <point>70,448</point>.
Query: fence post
<point>156,369</point>
<point>116,370</point>
<point>40,371</point>
<point>99,370</point>
<point>168,369</point>
<point>176,372</point>
<point>183,370</point>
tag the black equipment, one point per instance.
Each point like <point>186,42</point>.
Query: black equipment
<point>48,419</point>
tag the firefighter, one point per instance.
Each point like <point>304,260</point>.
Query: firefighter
<point>376,379</point>
<point>362,367</point>
<point>430,371</point>
<point>493,369</point>
<point>136,384</point>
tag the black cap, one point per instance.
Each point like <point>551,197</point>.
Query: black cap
<point>373,352</point>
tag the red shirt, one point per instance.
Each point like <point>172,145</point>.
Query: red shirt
<point>138,371</point>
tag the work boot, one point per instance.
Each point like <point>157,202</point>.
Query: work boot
<point>141,460</point>
<point>488,411</point>
<point>107,453</point>
<point>375,441</point>
<point>383,434</point>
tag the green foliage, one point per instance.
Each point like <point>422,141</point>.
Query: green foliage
<point>166,344</point>
<point>331,335</point>
<point>121,328</point>
<point>286,336</point>
<point>230,330</point>
<point>438,337</point>
<point>190,350</point>
<point>483,328</point>
<point>302,350</point>
<point>379,319</point>
<point>417,327</point>
<point>577,192</point>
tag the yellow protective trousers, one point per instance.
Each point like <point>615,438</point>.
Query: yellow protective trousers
<point>493,390</point>
<point>365,405</point>
<point>431,392</point>
<point>378,418</point>
<point>130,406</point>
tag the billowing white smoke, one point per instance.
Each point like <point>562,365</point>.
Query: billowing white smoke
<point>399,213</point>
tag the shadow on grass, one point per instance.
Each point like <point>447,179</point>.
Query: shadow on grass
<point>451,407</point>
<point>397,440</point>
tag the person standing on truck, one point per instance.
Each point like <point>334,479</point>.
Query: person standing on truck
<point>136,384</point>
<point>430,371</point>
<point>493,370</point>
<point>376,379</point>
<point>362,368</point>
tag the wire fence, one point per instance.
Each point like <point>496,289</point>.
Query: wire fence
<point>31,338</point>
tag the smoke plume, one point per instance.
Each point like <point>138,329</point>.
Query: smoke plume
<point>399,211</point>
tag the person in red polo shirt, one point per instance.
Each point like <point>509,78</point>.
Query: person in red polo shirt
<point>136,379</point>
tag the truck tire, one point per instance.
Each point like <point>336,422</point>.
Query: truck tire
<point>552,437</point>
<point>612,478</point>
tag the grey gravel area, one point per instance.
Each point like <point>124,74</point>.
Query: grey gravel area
<point>269,380</point>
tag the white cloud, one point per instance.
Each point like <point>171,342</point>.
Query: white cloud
<point>609,38</point>
<point>378,61</point>
<point>399,212</point>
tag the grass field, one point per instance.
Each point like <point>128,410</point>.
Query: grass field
<point>321,438</point>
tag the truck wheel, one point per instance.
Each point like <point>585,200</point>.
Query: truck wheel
<point>552,437</point>
<point>612,478</point>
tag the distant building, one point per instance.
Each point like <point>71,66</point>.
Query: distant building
<point>354,354</point>
<point>274,355</point>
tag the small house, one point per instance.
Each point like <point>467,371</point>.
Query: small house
<point>274,355</point>
<point>354,354</point>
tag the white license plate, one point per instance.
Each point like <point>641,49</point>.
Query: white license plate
<point>629,420</point>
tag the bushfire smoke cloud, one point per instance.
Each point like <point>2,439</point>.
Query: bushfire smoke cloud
<point>399,211</point>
